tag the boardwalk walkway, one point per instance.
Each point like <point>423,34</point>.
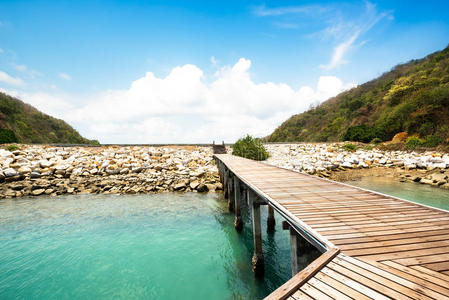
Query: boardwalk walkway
<point>374,246</point>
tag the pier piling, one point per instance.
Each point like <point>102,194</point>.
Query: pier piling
<point>238,224</point>
<point>302,252</point>
<point>271,222</point>
<point>231,195</point>
<point>258,259</point>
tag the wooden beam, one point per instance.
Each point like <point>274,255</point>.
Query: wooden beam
<point>291,286</point>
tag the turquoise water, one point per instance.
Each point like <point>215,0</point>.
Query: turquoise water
<point>416,192</point>
<point>167,246</point>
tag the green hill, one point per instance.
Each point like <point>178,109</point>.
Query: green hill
<point>22,123</point>
<point>412,97</point>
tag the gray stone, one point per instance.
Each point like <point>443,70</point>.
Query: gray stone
<point>35,175</point>
<point>10,172</point>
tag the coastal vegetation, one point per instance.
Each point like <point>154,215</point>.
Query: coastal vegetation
<point>412,97</point>
<point>250,147</point>
<point>22,123</point>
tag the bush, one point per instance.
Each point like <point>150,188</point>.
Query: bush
<point>433,141</point>
<point>349,147</point>
<point>376,141</point>
<point>7,136</point>
<point>413,142</point>
<point>251,148</point>
<point>362,133</point>
<point>12,148</point>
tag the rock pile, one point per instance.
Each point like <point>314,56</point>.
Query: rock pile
<point>321,159</point>
<point>38,170</point>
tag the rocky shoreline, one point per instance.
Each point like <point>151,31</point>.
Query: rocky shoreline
<point>334,162</point>
<point>44,170</point>
<point>36,170</point>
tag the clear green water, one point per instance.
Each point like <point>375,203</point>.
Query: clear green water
<point>168,246</point>
<point>415,192</point>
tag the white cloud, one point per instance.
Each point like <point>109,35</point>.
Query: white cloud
<point>1,50</point>
<point>340,52</point>
<point>349,31</point>
<point>263,11</point>
<point>186,107</point>
<point>21,68</point>
<point>5,78</point>
<point>65,76</point>
<point>214,61</point>
<point>344,27</point>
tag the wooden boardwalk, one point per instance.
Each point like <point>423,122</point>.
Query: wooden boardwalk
<point>374,246</point>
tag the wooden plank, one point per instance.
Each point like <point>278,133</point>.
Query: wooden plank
<point>314,292</point>
<point>288,288</point>
<point>414,276</point>
<point>412,285</point>
<point>300,295</point>
<point>373,274</point>
<point>327,289</point>
<point>440,266</point>
<point>398,248</point>
<point>360,287</point>
<point>406,241</point>
<point>421,272</point>
<point>421,260</point>
<point>341,287</point>
<point>379,287</point>
<point>386,237</point>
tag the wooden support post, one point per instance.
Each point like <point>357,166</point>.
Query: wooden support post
<point>225,182</point>
<point>301,251</point>
<point>257,260</point>
<point>271,222</point>
<point>231,195</point>
<point>238,224</point>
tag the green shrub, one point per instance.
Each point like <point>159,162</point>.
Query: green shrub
<point>7,136</point>
<point>251,148</point>
<point>376,141</point>
<point>433,141</point>
<point>349,147</point>
<point>413,142</point>
<point>362,133</point>
<point>12,148</point>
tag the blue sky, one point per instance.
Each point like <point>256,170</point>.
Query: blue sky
<point>118,70</point>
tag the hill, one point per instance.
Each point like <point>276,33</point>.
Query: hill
<point>412,97</point>
<point>22,123</point>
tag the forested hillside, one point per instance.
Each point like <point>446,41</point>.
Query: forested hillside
<point>22,123</point>
<point>412,97</point>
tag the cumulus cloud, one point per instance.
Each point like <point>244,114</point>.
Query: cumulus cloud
<point>5,78</point>
<point>65,76</point>
<point>187,107</point>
